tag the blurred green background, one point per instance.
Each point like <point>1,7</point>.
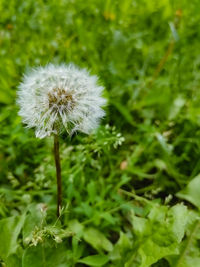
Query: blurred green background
<point>123,185</point>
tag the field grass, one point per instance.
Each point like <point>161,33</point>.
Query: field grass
<point>131,189</point>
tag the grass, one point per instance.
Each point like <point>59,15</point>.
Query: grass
<point>123,201</point>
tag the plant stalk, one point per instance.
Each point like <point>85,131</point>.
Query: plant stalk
<point>58,174</point>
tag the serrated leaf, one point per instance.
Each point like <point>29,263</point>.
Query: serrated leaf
<point>189,250</point>
<point>179,214</point>
<point>151,252</point>
<point>160,234</point>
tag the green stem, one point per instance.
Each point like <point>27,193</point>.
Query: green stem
<point>58,174</point>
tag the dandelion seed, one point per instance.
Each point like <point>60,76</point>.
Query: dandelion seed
<point>56,98</point>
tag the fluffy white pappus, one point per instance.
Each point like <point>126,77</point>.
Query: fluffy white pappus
<point>54,97</point>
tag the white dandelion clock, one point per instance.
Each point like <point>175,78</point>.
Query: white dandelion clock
<point>52,98</point>
<point>57,97</point>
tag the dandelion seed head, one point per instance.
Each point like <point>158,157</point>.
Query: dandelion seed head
<point>57,97</point>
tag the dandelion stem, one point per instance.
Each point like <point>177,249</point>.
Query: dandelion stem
<point>58,174</point>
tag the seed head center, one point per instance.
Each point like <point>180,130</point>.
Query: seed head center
<point>58,97</point>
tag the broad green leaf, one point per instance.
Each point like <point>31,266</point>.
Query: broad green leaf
<point>10,229</point>
<point>95,260</point>
<point>44,256</point>
<point>191,192</point>
<point>97,239</point>
<point>150,252</point>
<point>76,227</point>
<point>14,261</point>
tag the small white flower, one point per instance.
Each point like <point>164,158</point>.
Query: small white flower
<point>57,239</point>
<point>57,96</point>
